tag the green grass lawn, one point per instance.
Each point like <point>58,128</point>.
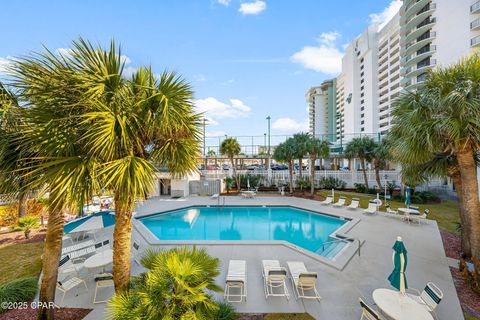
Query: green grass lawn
<point>445,213</point>
<point>20,260</point>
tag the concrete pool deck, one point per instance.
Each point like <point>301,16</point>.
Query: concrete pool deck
<point>340,289</point>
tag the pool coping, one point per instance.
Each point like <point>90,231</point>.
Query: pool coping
<point>338,262</point>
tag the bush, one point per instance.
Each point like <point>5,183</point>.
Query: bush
<point>254,180</point>
<point>332,183</point>
<point>26,224</point>
<point>427,196</point>
<point>472,277</point>
<point>417,199</point>
<point>303,184</point>
<point>372,191</point>
<point>8,215</point>
<point>19,290</point>
<point>225,312</point>
<point>360,188</point>
<point>398,198</point>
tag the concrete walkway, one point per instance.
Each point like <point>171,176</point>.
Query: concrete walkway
<point>340,290</point>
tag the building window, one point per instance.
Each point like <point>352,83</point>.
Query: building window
<point>362,87</point>
<point>363,122</point>
<point>362,115</point>
<point>362,95</point>
<point>362,102</point>
<point>362,108</point>
<point>361,67</point>
<point>361,74</point>
<point>362,129</point>
<point>361,60</point>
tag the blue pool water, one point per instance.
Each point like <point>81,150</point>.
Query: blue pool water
<point>305,229</point>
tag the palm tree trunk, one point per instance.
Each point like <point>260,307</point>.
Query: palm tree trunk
<point>234,168</point>
<point>300,168</point>
<point>468,174</point>
<point>122,234</point>
<point>22,204</point>
<point>377,174</point>
<point>50,258</point>
<point>362,163</point>
<point>290,173</point>
<point>312,175</point>
<point>465,233</point>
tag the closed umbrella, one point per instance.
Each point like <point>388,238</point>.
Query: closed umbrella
<point>397,277</point>
<point>248,182</point>
<point>408,201</point>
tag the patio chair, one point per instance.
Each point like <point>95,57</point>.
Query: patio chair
<point>236,280</point>
<point>303,281</point>
<point>68,285</point>
<point>419,218</point>
<point>372,207</point>
<point>367,312</point>
<point>215,196</point>
<point>66,265</point>
<point>429,298</point>
<point>354,204</point>
<point>102,280</point>
<point>274,279</point>
<point>328,200</point>
<point>78,246</point>
<point>67,238</point>
<point>340,202</point>
<point>393,213</point>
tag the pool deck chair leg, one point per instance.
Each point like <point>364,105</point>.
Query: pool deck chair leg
<point>274,279</point>
<point>236,282</point>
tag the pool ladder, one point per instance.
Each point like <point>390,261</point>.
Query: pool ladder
<point>222,200</point>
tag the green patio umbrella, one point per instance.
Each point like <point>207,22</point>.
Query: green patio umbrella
<point>408,194</point>
<point>397,277</point>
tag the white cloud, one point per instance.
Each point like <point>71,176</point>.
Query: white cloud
<point>210,134</point>
<point>215,109</point>
<point>224,2</point>
<point>5,63</point>
<point>289,125</point>
<point>388,13</point>
<point>200,78</point>
<point>325,58</point>
<point>66,52</point>
<point>255,7</point>
<point>128,71</point>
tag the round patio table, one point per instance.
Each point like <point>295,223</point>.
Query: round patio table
<point>399,307</point>
<point>407,212</point>
<point>100,259</point>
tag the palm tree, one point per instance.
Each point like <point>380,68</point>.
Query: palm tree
<point>363,149</point>
<point>441,117</point>
<point>231,148</point>
<point>301,149</point>
<point>286,152</point>
<point>93,129</point>
<point>381,154</point>
<point>174,287</point>
<point>316,148</point>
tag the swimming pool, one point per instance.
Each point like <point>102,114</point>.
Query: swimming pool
<point>306,229</point>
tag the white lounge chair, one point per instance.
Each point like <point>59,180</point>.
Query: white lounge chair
<point>236,280</point>
<point>78,246</point>
<point>274,279</point>
<point>215,196</point>
<point>372,207</point>
<point>303,281</point>
<point>367,312</point>
<point>429,298</point>
<point>66,266</point>
<point>340,202</point>
<point>419,217</point>
<point>65,286</point>
<point>327,200</point>
<point>354,204</point>
<point>102,280</point>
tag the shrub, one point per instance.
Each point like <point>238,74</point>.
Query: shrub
<point>472,277</point>
<point>225,312</point>
<point>228,183</point>
<point>398,198</point>
<point>303,183</point>
<point>417,199</point>
<point>332,183</point>
<point>8,215</point>
<point>360,188</point>
<point>19,290</point>
<point>254,180</point>
<point>372,191</point>
<point>392,186</point>
<point>427,196</point>
<point>26,224</point>
<point>177,283</point>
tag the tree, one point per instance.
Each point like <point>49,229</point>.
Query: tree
<point>441,117</point>
<point>285,152</point>
<point>231,148</point>
<point>92,129</point>
<point>301,141</point>
<point>174,287</point>
<point>381,154</point>
<point>363,149</point>
<point>316,148</point>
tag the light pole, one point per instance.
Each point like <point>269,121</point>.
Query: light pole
<point>268,150</point>
<point>204,137</point>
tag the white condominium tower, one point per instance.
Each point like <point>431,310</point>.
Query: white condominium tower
<point>321,109</point>
<point>438,32</point>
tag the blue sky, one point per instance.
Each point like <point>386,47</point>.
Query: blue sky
<point>246,59</point>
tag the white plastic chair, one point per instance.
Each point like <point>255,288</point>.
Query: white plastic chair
<point>328,200</point>
<point>429,298</point>
<point>274,279</point>
<point>354,204</point>
<point>102,280</point>
<point>68,285</point>
<point>236,280</point>
<point>340,202</point>
<point>367,312</point>
<point>303,281</point>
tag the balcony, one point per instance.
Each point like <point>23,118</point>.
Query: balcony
<point>411,72</point>
<point>475,42</point>
<point>415,20</point>
<point>414,58</point>
<point>415,33</point>
<point>414,7</point>
<point>475,24</point>
<point>410,48</point>
<point>475,8</point>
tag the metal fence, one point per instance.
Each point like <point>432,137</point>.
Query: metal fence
<point>279,177</point>
<point>204,187</point>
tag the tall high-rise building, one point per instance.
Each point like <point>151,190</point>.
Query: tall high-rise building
<point>322,110</point>
<point>381,62</point>
<point>436,33</point>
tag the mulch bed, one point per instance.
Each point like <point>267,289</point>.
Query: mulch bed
<point>469,300</point>
<point>31,314</point>
<point>452,244</point>
<point>19,237</point>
